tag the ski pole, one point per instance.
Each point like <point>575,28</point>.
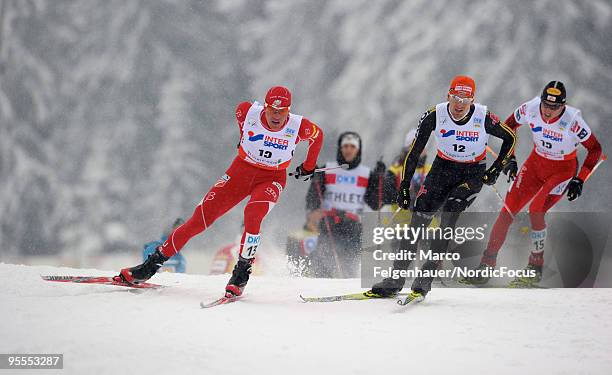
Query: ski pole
<point>501,199</point>
<point>380,190</point>
<point>341,166</point>
<point>395,213</point>
<point>604,157</point>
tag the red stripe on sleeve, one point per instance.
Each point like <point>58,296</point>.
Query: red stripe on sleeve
<point>313,134</point>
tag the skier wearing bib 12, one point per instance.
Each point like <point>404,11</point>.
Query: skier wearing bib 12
<point>550,171</point>
<point>462,129</point>
<point>269,134</point>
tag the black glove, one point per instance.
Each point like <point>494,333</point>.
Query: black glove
<point>491,174</point>
<point>380,169</point>
<point>403,194</point>
<point>511,168</point>
<point>574,188</point>
<point>301,172</point>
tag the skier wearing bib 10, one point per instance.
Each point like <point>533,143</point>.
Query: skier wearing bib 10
<point>269,135</point>
<point>462,129</point>
<point>547,174</point>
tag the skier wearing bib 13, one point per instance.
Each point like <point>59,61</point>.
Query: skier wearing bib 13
<point>462,129</point>
<point>269,135</point>
<point>547,174</point>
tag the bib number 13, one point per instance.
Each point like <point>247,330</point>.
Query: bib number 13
<point>265,153</point>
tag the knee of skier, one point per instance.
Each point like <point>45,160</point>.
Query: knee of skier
<point>458,204</point>
<point>449,218</point>
<point>536,217</point>
<point>254,213</point>
<point>195,224</point>
<point>421,206</point>
<point>423,218</point>
<point>505,217</point>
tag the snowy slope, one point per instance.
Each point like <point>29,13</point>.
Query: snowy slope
<point>105,330</point>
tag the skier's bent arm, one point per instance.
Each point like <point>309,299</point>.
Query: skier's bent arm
<point>512,123</point>
<point>500,130</point>
<point>310,132</point>
<point>594,153</point>
<point>241,112</point>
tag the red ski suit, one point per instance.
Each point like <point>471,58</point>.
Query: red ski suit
<point>535,182</point>
<point>242,179</point>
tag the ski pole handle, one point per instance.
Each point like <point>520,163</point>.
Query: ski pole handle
<point>341,166</point>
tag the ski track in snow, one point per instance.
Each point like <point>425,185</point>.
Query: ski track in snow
<point>105,330</point>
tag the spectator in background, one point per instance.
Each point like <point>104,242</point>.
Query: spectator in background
<point>177,262</point>
<point>341,195</point>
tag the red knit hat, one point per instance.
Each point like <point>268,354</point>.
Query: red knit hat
<point>463,85</point>
<point>278,97</point>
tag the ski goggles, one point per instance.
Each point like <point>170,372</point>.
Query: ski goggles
<point>553,106</point>
<point>460,100</point>
<point>273,109</point>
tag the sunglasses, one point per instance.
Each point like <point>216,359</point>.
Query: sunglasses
<point>460,100</point>
<point>553,106</point>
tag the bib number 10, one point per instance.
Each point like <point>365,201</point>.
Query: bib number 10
<point>265,153</point>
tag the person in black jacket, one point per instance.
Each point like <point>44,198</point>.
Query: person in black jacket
<point>461,129</point>
<point>341,195</point>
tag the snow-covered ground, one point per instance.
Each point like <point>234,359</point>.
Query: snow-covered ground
<point>111,330</point>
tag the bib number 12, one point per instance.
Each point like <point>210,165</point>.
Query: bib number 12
<point>458,148</point>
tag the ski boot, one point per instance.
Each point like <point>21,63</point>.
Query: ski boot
<point>422,284</point>
<point>528,281</point>
<point>387,288</point>
<point>479,278</point>
<point>240,277</point>
<point>144,271</point>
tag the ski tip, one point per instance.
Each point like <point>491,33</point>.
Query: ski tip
<point>220,301</point>
<point>303,299</point>
<point>56,277</point>
<point>410,300</point>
